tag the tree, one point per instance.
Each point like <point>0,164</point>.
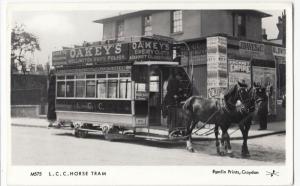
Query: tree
<point>22,43</point>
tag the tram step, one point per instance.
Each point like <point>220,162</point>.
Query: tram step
<point>153,131</point>
<point>151,137</point>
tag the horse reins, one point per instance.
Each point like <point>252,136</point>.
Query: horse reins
<point>205,123</point>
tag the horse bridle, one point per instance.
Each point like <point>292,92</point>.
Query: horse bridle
<point>245,102</point>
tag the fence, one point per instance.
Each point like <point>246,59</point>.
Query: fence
<point>28,95</point>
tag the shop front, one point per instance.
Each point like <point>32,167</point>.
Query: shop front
<point>219,62</point>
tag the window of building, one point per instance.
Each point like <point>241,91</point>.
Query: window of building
<point>241,22</point>
<point>176,21</point>
<point>120,29</point>
<point>147,25</point>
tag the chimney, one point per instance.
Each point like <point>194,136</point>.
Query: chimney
<point>282,28</point>
<point>264,34</point>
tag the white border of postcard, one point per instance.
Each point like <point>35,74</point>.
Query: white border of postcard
<point>145,175</point>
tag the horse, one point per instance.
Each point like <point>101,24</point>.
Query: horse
<point>239,103</point>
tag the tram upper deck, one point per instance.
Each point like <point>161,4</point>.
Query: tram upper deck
<point>120,84</point>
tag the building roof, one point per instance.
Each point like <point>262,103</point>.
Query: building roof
<point>126,15</point>
<point>144,12</point>
<point>254,12</point>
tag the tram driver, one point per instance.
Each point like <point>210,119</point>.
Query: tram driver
<point>172,97</point>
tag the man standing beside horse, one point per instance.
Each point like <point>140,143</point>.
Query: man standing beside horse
<point>173,97</point>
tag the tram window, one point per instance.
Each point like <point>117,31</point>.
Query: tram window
<point>61,87</point>
<point>81,76</point>
<point>90,76</point>
<point>101,88</point>
<point>124,74</point>
<point>112,88</point>
<point>60,77</point>
<point>80,88</point>
<point>90,88</point>
<point>70,89</point>
<point>101,75</point>
<point>70,77</point>
<point>112,75</point>
<point>125,88</point>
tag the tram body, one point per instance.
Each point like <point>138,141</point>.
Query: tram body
<point>126,96</point>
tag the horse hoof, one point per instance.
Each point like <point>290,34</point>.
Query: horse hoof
<point>245,155</point>
<point>230,155</point>
<point>190,149</point>
<point>222,153</point>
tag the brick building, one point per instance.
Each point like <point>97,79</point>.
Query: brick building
<point>216,47</point>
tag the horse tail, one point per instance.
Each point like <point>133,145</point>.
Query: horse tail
<point>187,103</point>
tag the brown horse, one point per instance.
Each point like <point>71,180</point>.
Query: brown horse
<point>239,104</point>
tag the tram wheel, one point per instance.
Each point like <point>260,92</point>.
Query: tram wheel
<point>177,133</point>
<point>76,133</point>
<point>80,133</point>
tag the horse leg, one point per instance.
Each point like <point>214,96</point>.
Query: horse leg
<point>189,145</point>
<point>223,145</point>
<point>217,138</point>
<point>244,127</point>
<point>227,143</point>
<point>245,137</point>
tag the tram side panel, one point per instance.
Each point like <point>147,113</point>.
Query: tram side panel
<point>109,111</point>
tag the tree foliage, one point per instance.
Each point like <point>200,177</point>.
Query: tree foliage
<point>22,43</point>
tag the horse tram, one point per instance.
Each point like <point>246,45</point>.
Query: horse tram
<point>118,89</point>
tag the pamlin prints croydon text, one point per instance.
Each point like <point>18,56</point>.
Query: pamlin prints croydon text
<point>238,172</point>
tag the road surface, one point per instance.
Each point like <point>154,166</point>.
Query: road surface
<point>41,146</point>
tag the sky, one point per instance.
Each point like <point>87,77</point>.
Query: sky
<point>56,29</point>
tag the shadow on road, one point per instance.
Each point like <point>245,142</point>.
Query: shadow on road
<point>258,152</point>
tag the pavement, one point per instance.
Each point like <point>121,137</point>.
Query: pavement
<point>206,133</point>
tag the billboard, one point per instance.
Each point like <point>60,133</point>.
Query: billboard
<point>143,50</point>
<point>266,77</point>
<point>217,81</point>
<point>91,55</point>
<point>150,50</point>
<point>239,70</point>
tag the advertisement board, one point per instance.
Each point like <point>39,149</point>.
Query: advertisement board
<point>149,50</point>
<point>247,48</point>
<point>143,50</point>
<point>216,66</point>
<point>91,55</point>
<point>266,77</point>
<point>239,70</point>
<point>196,54</point>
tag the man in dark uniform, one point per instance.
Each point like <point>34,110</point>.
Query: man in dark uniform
<point>262,110</point>
<point>171,100</point>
